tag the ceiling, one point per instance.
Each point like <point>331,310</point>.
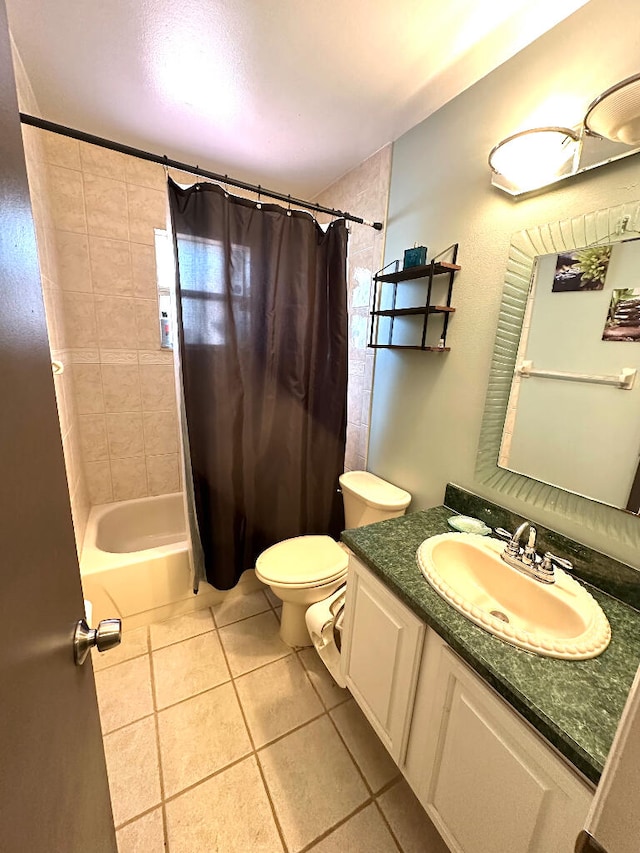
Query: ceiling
<point>287,93</point>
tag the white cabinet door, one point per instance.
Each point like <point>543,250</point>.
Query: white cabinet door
<point>493,786</point>
<point>381,655</point>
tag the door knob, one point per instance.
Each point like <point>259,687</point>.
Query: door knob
<point>107,635</point>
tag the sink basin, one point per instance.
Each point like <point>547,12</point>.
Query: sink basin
<point>560,620</point>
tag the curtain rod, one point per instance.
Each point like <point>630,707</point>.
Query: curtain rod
<point>185,167</point>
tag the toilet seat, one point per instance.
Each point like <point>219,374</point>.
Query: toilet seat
<point>302,562</point>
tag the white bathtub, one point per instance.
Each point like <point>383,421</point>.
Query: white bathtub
<point>135,562</point>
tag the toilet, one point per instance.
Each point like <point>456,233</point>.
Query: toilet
<point>308,569</point>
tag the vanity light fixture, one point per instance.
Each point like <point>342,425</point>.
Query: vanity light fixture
<point>615,114</point>
<point>532,158</point>
<point>539,156</point>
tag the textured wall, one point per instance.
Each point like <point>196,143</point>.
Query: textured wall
<point>364,192</point>
<point>427,409</point>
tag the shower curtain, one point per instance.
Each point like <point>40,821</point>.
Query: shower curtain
<point>262,321</point>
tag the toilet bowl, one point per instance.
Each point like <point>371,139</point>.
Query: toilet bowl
<point>308,569</point>
<point>301,571</point>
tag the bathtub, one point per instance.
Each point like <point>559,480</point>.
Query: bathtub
<point>135,562</point>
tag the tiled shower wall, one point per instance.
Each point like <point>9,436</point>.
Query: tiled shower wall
<point>363,191</point>
<point>96,213</point>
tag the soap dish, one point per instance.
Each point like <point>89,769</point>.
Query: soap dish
<point>467,524</point>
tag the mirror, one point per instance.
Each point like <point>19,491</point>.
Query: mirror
<point>573,414</point>
<point>604,522</point>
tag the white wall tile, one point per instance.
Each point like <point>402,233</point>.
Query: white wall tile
<point>67,199</point>
<point>98,477</point>
<point>72,255</point>
<point>162,474</point>
<point>106,202</point>
<point>111,266</point>
<point>116,321</point>
<point>147,210</point>
<point>124,430</point>
<point>129,478</point>
<point>102,161</point>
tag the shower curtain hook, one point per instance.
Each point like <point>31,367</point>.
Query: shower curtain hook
<point>259,203</point>
<point>226,187</point>
<point>289,205</point>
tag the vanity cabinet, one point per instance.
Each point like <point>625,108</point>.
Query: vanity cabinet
<point>488,781</point>
<point>381,649</point>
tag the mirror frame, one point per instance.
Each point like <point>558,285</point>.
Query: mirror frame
<point>609,225</point>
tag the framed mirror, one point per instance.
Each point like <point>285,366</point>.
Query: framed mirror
<point>554,447</point>
<point>573,415</point>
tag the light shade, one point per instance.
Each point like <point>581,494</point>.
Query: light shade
<point>535,157</point>
<point>615,114</point>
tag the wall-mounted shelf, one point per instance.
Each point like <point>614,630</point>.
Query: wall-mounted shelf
<point>426,273</point>
<point>407,346</point>
<point>422,271</point>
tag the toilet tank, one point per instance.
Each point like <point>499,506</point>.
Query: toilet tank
<point>368,499</point>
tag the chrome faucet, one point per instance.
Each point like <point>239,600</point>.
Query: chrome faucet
<point>526,559</point>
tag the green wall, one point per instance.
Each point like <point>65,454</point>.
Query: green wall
<point>427,408</point>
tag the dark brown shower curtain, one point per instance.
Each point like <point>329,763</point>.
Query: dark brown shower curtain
<point>262,319</point>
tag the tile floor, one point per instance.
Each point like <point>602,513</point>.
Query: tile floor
<point>218,737</point>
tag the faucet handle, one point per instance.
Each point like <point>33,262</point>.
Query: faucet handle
<point>550,561</point>
<point>501,533</point>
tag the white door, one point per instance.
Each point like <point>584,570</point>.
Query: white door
<point>54,796</point>
<point>613,823</point>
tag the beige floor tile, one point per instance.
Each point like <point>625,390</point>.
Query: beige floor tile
<point>180,628</point>
<point>229,813</point>
<point>312,781</point>
<point>365,746</point>
<point>200,736</point>
<point>322,680</point>
<point>253,642</point>
<point>276,698</point>
<point>239,605</point>
<point>366,831</point>
<point>124,693</point>
<point>184,669</point>
<point>134,643</point>
<point>132,766</point>
<point>144,835</point>
<point>409,821</point>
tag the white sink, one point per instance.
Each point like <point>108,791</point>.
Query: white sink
<point>560,620</point>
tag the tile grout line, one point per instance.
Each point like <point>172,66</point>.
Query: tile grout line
<point>293,652</point>
<point>308,674</point>
<point>337,825</point>
<point>351,756</point>
<point>254,751</point>
<point>386,822</point>
<point>156,723</point>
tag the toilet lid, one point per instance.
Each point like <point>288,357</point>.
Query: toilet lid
<point>302,561</point>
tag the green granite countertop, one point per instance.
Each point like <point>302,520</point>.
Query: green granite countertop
<point>576,705</point>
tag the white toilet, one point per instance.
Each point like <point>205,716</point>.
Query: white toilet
<point>307,569</point>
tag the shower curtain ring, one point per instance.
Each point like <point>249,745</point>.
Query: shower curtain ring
<point>289,205</point>
<point>226,187</point>
<point>259,203</point>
